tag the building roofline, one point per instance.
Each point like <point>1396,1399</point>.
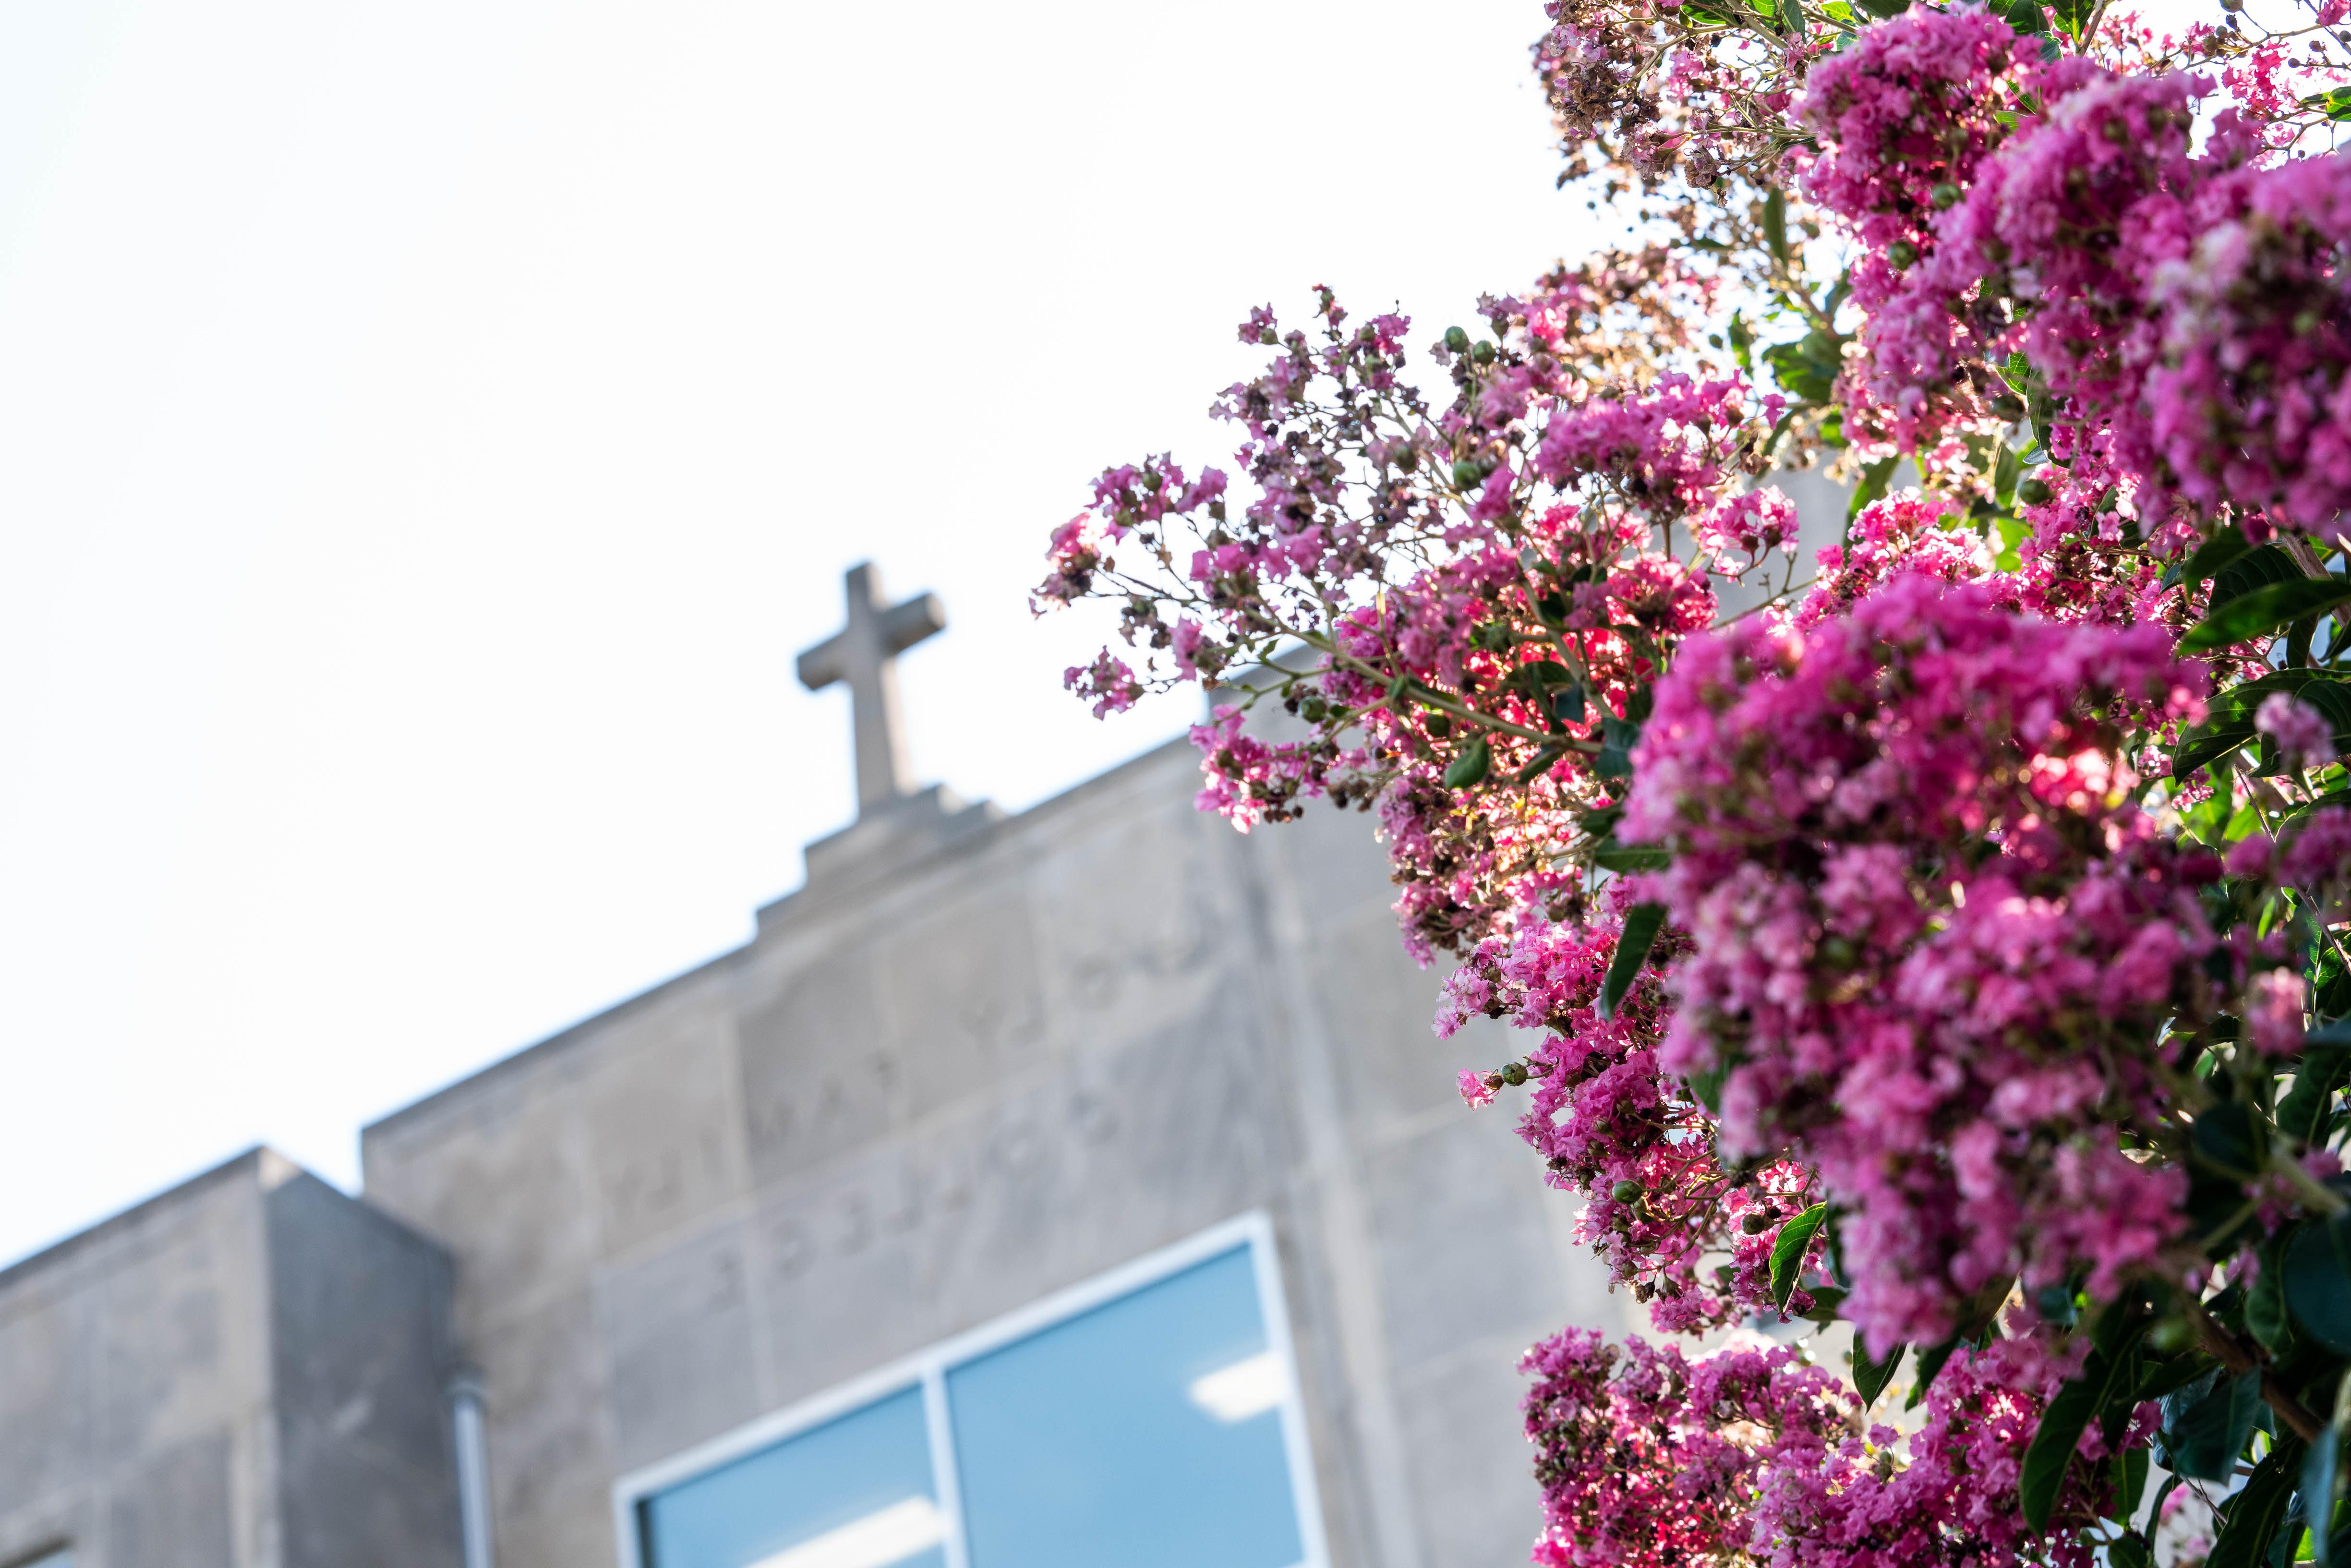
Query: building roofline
<point>966,844</point>
<point>252,1160</point>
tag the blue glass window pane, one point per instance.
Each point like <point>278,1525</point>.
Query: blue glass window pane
<point>855,1492</point>
<point>1144,1434</point>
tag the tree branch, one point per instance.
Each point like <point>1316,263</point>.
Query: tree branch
<point>2240,1361</point>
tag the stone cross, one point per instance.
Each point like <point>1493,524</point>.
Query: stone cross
<point>859,654</point>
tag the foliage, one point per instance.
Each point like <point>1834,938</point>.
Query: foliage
<point>1945,936</point>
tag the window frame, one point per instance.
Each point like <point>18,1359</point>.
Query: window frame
<point>927,1369</point>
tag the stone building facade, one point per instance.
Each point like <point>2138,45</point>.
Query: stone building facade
<point>973,1062</point>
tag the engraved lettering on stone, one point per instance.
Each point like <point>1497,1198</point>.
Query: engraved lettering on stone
<point>1092,1118</point>
<point>645,1186</point>
<point>1018,1148</point>
<point>856,1223</point>
<point>727,1281</point>
<point>789,1246</point>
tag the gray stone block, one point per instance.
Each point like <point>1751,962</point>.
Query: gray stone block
<point>1461,1412</point>
<point>1461,1230</point>
<point>817,1082</point>
<point>174,1511</point>
<point>676,1330</point>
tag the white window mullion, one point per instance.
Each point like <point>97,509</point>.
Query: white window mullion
<point>943,1462</point>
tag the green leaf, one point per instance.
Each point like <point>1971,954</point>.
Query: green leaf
<point>2254,569</point>
<point>2255,1512</point>
<point>2025,16</point>
<point>2213,554</point>
<point>2130,1482</point>
<point>2005,471</point>
<point>2228,722</point>
<point>2130,1551</point>
<point>1609,855</point>
<point>2171,1376</point>
<point>1469,770</point>
<point>2335,101</point>
<point>1616,738</point>
<point>2263,610</point>
<point>1707,1086</point>
<point>2071,15</point>
<point>2207,1424</point>
<point>1930,1361</point>
<point>1870,1377</point>
<point>1802,375</point>
<point>2321,1473</point>
<point>1742,341</point>
<point>2229,1140</point>
<point>2303,1113</point>
<point>1641,924</point>
<point>2012,535</point>
<point>2062,1425</point>
<point>1775,223</point>
<point>2318,1280</point>
<point>1787,1252</point>
<point>1875,476</point>
<point>2265,1315</point>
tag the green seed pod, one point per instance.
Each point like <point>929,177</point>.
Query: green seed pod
<point>1408,459</point>
<point>1514,1074</point>
<point>1945,195</point>
<point>1456,340</point>
<point>1902,254</point>
<point>1483,354</point>
<point>1439,725</point>
<point>1312,709</point>
<point>1757,1221</point>
<point>1467,475</point>
<point>2033,493</point>
<point>1625,1191</point>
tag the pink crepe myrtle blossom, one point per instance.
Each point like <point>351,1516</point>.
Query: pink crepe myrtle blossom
<point>1960,922</point>
<point>2305,737</point>
<point>1108,681</point>
<point>2274,1001</point>
<point>1876,993</point>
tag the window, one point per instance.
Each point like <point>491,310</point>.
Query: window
<point>1149,1418</point>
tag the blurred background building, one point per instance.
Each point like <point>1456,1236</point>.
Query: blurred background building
<point>1073,1187</point>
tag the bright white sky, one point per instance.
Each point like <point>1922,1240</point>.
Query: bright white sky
<point>427,433</point>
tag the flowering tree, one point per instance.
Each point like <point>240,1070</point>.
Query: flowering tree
<point>1951,940</point>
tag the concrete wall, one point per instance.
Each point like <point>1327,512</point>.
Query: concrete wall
<point>915,1102</point>
<point>241,1372</point>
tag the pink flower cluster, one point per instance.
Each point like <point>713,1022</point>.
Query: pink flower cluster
<point>1671,449</point>
<point>1905,532</point>
<point>1647,1456</point>
<point>2247,401</point>
<point>2191,300</point>
<point>1250,781</point>
<point>1107,681</point>
<point>1650,1456</point>
<point>1880,990</point>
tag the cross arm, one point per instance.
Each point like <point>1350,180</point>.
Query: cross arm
<point>903,625</point>
<point>821,666</point>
